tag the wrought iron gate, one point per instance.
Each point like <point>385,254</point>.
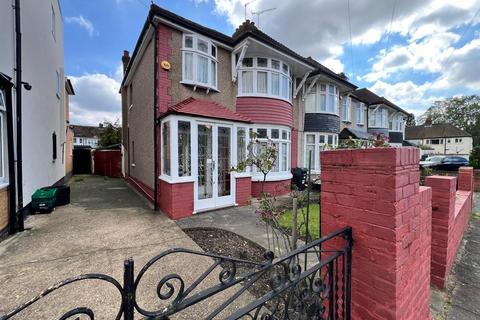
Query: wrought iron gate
<point>312,282</point>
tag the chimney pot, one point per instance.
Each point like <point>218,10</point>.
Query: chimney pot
<point>125,60</point>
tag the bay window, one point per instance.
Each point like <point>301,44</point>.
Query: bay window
<point>2,137</point>
<point>346,109</point>
<point>378,118</point>
<point>316,142</point>
<point>323,98</point>
<point>280,138</point>
<point>265,77</point>
<point>359,113</point>
<point>199,65</point>
<point>396,123</point>
<point>184,149</point>
<point>166,148</point>
<point>241,145</point>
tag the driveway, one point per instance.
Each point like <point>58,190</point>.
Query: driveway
<point>105,224</point>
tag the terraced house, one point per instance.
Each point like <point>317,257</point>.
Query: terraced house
<point>191,94</point>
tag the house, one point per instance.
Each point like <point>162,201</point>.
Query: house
<point>32,114</point>
<point>86,136</point>
<point>190,96</point>
<point>68,91</point>
<point>441,138</point>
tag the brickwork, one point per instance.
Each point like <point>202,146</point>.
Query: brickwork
<point>294,149</point>
<point>377,193</point>
<point>476,180</point>
<point>243,190</point>
<point>3,208</point>
<point>276,188</point>
<point>450,213</point>
<point>176,200</point>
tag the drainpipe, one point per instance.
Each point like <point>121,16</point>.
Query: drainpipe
<point>18,88</point>
<point>12,189</point>
<point>155,122</point>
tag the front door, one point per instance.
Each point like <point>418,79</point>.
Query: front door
<point>214,185</point>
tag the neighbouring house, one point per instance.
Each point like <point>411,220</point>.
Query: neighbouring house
<point>86,136</point>
<point>441,138</point>
<point>32,114</point>
<point>69,130</point>
<point>190,96</point>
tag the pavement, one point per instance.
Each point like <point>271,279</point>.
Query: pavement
<point>106,223</point>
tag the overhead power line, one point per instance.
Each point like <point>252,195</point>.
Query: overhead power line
<point>351,42</point>
<point>388,34</point>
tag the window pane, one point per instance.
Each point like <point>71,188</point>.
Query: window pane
<point>262,133</point>
<point>202,69</point>
<point>261,82</point>
<point>285,93</point>
<point>202,45</point>
<point>188,67</point>
<point>213,76</point>
<point>166,148</point>
<point>284,68</point>
<point>331,89</point>
<point>311,138</point>
<point>284,135</point>
<point>275,134</point>
<point>276,64</point>
<point>214,51</point>
<point>247,62</point>
<point>188,42</point>
<point>276,166</point>
<point>284,157</point>
<point>262,62</point>
<point>184,145</point>
<point>321,139</point>
<point>378,118</point>
<point>330,139</point>
<point>247,81</point>
<point>2,101</point>
<point>323,87</point>
<point>323,103</point>
<point>331,103</point>
<point>275,84</point>
<point>241,145</point>
<point>224,176</point>
<point>310,152</point>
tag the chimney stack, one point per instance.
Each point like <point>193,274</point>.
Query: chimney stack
<point>125,60</point>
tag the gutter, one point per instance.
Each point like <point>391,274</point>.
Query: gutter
<point>155,122</point>
<point>18,98</point>
<point>12,188</point>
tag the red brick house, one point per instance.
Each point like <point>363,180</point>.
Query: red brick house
<point>191,94</point>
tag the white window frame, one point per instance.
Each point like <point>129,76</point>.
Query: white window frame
<point>372,118</point>
<point>319,93</point>
<point>361,107</point>
<point>3,176</point>
<point>319,146</point>
<point>196,54</point>
<point>255,69</point>
<point>347,109</point>
<point>397,123</point>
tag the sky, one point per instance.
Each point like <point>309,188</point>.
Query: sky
<point>413,52</point>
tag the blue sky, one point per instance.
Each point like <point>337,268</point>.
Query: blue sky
<point>428,51</point>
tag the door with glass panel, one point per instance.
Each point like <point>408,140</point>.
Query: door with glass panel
<point>214,185</point>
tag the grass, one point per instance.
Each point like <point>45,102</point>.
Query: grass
<point>286,221</point>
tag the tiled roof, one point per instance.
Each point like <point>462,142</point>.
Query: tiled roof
<point>206,109</point>
<point>443,130</point>
<point>86,131</point>
<point>370,98</point>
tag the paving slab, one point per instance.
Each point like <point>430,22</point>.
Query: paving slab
<point>105,224</point>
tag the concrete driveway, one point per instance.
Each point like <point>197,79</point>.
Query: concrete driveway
<point>105,223</point>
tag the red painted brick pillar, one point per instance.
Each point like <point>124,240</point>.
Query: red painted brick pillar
<point>377,193</point>
<point>465,179</point>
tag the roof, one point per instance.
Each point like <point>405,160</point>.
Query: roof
<point>205,109</point>
<point>442,130</point>
<point>69,87</point>
<point>86,131</point>
<point>246,29</point>
<point>354,133</point>
<point>370,98</point>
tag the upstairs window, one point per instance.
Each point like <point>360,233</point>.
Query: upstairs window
<point>323,98</point>
<point>199,61</point>
<point>378,118</point>
<point>359,113</point>
<point>265,77</point>
<point>346,109</point>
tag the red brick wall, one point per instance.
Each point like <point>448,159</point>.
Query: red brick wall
<point>450,213</point>
<point>476,180</point>
<point>294,149</point>
<point>176,199</point>
<point>377,193</point>
<point>243,190</point>
<point>276,188</point>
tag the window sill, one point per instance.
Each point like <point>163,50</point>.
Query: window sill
<point>360,124</point>
<point>323,112</point>
<point>3,185</point>
<point>242,174</point>
<point>347,121</point>
<point>171,180</point>
<point>199,85</point>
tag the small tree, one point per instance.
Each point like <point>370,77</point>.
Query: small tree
<point>111,134</point>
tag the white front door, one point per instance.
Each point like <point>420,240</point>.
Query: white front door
<point>214,186</point>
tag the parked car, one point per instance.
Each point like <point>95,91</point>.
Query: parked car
<point>431,161</point>
<point>451,163</point>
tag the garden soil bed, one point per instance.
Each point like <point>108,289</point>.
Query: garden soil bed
<point>230,244</point>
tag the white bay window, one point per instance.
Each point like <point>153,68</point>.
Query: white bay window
<point>346,109</point>
<point>280,138</point>
<point>323,98</point>
<point>378,118</point>
<point>314,143</point>
<point>264,77</point>
<point>396,123</point>
<point>359,113</point>
<point>199,62</point>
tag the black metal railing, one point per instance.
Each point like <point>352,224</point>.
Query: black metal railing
<point>312,282</point>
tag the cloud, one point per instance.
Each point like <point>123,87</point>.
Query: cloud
<point>96,99</point>
<point>83,23</point>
